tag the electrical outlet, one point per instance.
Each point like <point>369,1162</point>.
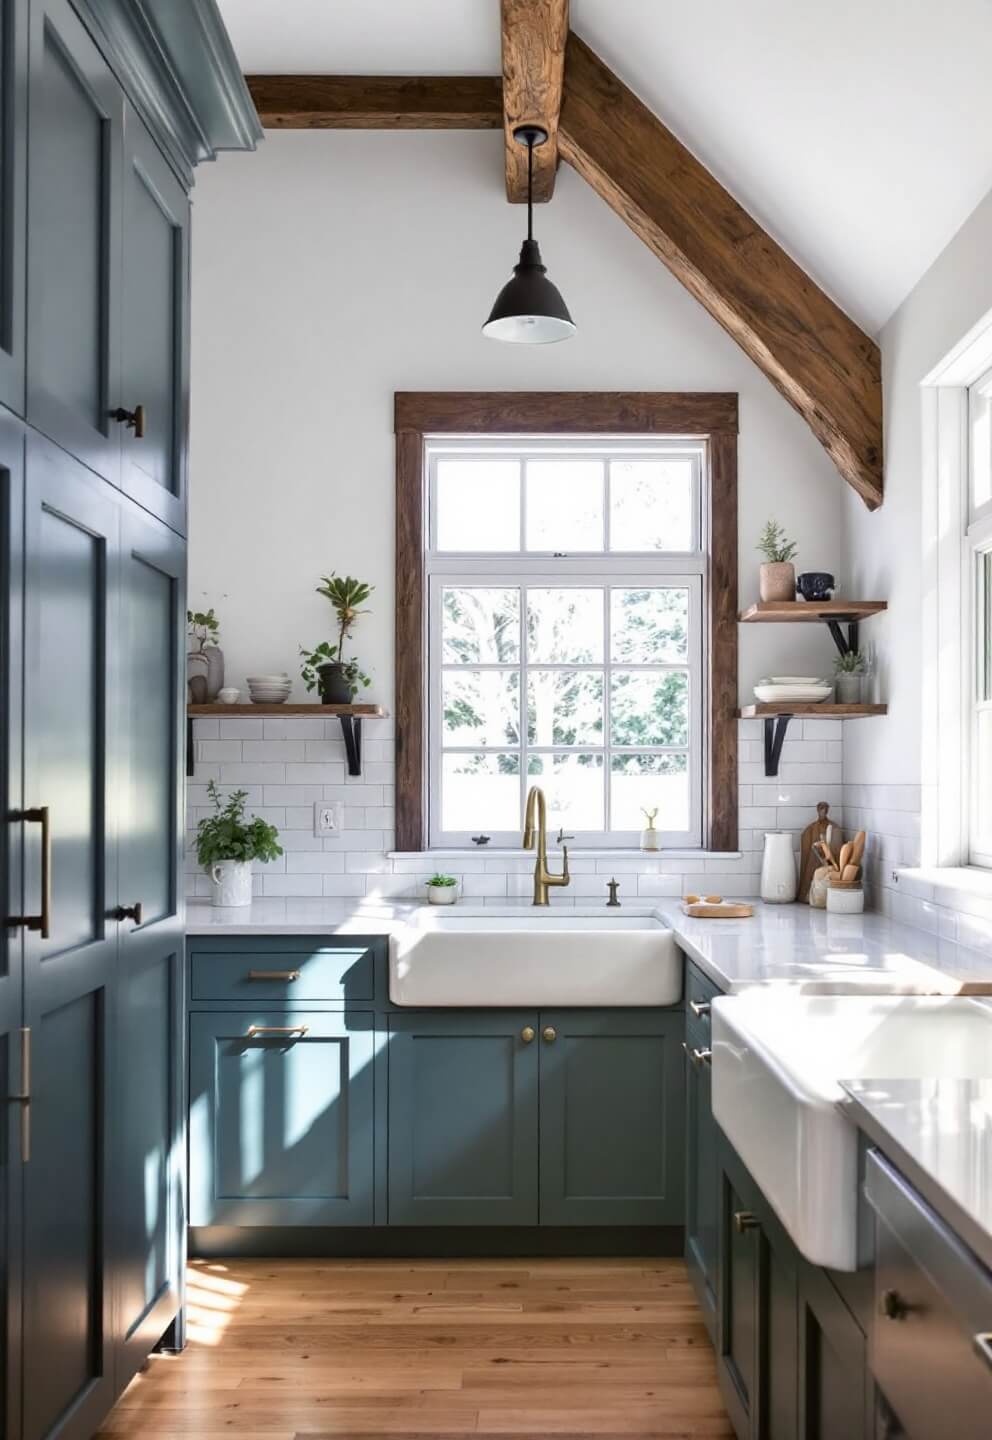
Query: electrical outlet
<point>328,817</point>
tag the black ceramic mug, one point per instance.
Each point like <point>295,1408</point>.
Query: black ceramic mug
<point>815,585</point>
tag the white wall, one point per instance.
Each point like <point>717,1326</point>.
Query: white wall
<point>331,269</point>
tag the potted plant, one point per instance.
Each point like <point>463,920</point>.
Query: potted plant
<point>777,576</point>
<point>227,843</point>
<point>850,670</point>
<point>325,668</point>
<point>442,890</point>
<point>204,660</point>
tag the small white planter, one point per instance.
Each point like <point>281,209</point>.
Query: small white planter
<point>230,882</point>
<point>442,894</point>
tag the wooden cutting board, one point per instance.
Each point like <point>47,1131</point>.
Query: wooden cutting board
<point>725,910</point>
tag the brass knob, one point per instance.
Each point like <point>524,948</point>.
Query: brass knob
<point>549,1034</point>
<point>527,1034</point>
<point>745,1220</point>
<point>892,1306</point>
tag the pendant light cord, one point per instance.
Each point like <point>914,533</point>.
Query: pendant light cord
<point>530,187</point>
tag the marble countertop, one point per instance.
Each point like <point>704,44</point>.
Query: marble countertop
<point>779,945</point>
<point>939,1134</point>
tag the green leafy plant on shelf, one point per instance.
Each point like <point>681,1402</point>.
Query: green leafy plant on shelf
<point>228,835</point>
<point>852,662</point>
<point>775,545</point>
<point>326,663</point>
<point>203,627</point>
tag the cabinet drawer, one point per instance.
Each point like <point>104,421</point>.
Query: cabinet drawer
<point>344,973</point>
<point>930,1354</point>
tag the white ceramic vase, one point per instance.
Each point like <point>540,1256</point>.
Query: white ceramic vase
<point>230,882</point>
<point>779,882</point>
<point>442,894</point>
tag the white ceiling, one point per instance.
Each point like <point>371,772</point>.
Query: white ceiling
<point>859,134</point>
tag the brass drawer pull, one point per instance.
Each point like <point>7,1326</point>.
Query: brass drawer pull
<point>255,1031</point>
<point>549,1034</point>
<point>286,975</point>
<point>528,1034</point>
<point>699,1008</point>
<point>983,1344</point>
<point>40,815</point>
<point>745,1220</point>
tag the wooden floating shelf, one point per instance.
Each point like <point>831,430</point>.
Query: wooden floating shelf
<point>836,712</point>
<point>778,611</point>
<point>351,717</point>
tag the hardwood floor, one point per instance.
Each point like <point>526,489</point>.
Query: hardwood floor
<point>565,1348</point>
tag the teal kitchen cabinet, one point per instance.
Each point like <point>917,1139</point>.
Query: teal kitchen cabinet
<point>281,1109</point>
<point>13,171</point>
<point>835,1397</point>
<point>612,1117</point>
<point>702,1140</point>
<point>463,1118</point>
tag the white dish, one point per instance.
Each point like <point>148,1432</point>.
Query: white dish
<point>794,680</point>
<point>796,694</point>
<point>280,679</point>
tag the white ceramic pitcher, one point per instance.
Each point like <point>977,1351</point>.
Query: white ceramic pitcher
<point>230,882</point>
<point>779,882</point>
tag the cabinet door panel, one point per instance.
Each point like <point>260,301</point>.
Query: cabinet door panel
<point>281,1124</point>
<point>71,554</point>
<point>155,330</point>
<point>702,1187</point>
<point>463,1119</point>
<point>612,1118</point>
<point>13,209</point>
<point>150,1012</point>
<point>834,1402</point>
<point>73,239</point>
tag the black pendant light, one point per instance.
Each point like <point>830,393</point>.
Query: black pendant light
<point>529,310</point>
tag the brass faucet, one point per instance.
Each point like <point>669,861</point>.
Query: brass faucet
<point>543,878</point>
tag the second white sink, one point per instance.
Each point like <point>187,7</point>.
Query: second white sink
<point>777,1061</point>
<point>488,957</point>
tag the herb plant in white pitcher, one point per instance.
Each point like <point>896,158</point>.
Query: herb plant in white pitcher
<point>227,843</point>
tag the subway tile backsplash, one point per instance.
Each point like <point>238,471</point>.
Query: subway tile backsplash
<point>286,765</point>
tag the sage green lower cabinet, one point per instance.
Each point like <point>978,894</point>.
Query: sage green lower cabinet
<point>702,1185</point>
<point>463,1118</point>
<point>612,1117</point>
<point>281,1117</point>
<point>834,1393</point>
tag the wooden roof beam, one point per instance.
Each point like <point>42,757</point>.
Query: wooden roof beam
<point>534,36</point>
<point>811,351</point>
<point>377,102</point>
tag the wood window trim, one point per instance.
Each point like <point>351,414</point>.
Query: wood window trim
<point>418,414</point>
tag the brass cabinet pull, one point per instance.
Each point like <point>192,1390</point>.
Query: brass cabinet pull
<point>24,1097</point>
<point>549,1034</point>
<point>528,1034</point>
<point>254,1031</point>
<point>274,975</point>
<point>983,1345</point>
<point>39,815</point>
<point>133,419</point>
<point>128,912</point>
<point>745,1220</point>
<point>699,1008</point>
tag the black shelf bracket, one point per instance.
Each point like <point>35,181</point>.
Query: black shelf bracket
<point>351,729</point>
<point>190,758</point>
<point>848,643</point>
<point>775,728</point>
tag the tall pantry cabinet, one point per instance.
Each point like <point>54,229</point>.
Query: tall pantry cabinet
<point>105,107</point>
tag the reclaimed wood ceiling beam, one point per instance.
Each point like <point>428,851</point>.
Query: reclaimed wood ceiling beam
<point>811,351</point>
<point>534,35</point>
<point>378,102</point>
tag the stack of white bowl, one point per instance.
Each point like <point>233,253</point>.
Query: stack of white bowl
<point>269,689</point>
<point>793,689</point>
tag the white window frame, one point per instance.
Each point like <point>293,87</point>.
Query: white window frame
<point>977,543</point>
<point>582,569</point>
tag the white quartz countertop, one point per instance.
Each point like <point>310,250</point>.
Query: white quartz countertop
<point>779,945</point>
<point>939,1134</point>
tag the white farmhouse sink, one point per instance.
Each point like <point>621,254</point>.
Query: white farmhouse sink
<point>777,1060</point>
<point>488,957</point>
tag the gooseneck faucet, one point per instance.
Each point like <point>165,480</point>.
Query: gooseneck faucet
<point>543,878</point>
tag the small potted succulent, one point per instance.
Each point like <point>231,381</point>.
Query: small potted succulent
<point>777,576</point>
<point>227,843</point>
<point>850,670</point>
<point>442,890</point>
<point>325,668</point>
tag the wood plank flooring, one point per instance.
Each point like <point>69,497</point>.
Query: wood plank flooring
<point>562,1348</point>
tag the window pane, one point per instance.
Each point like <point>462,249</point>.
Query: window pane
<point>481,707</point>
<point>480,626</point>
<point>649,707</point>
<point>573,786</point>
<point>650,627</point>
<point>565,626</point>
<point>480,792</point>
<point>649,782</point>
<point>651,505</point>
<point>564,505</point>
<point>478,505</point>
<point>564,707</point>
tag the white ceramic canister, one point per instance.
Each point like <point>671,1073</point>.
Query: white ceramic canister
<point>844,901</point>
<point>230,882</point>
<point>779,881</point>
<point>442,894</point>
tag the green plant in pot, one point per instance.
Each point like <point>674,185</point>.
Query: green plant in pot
<point>325,668</point>
<point>777,576</point>
<point>227,843</point>
<point>850,670</point>
<point>442,890</point>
